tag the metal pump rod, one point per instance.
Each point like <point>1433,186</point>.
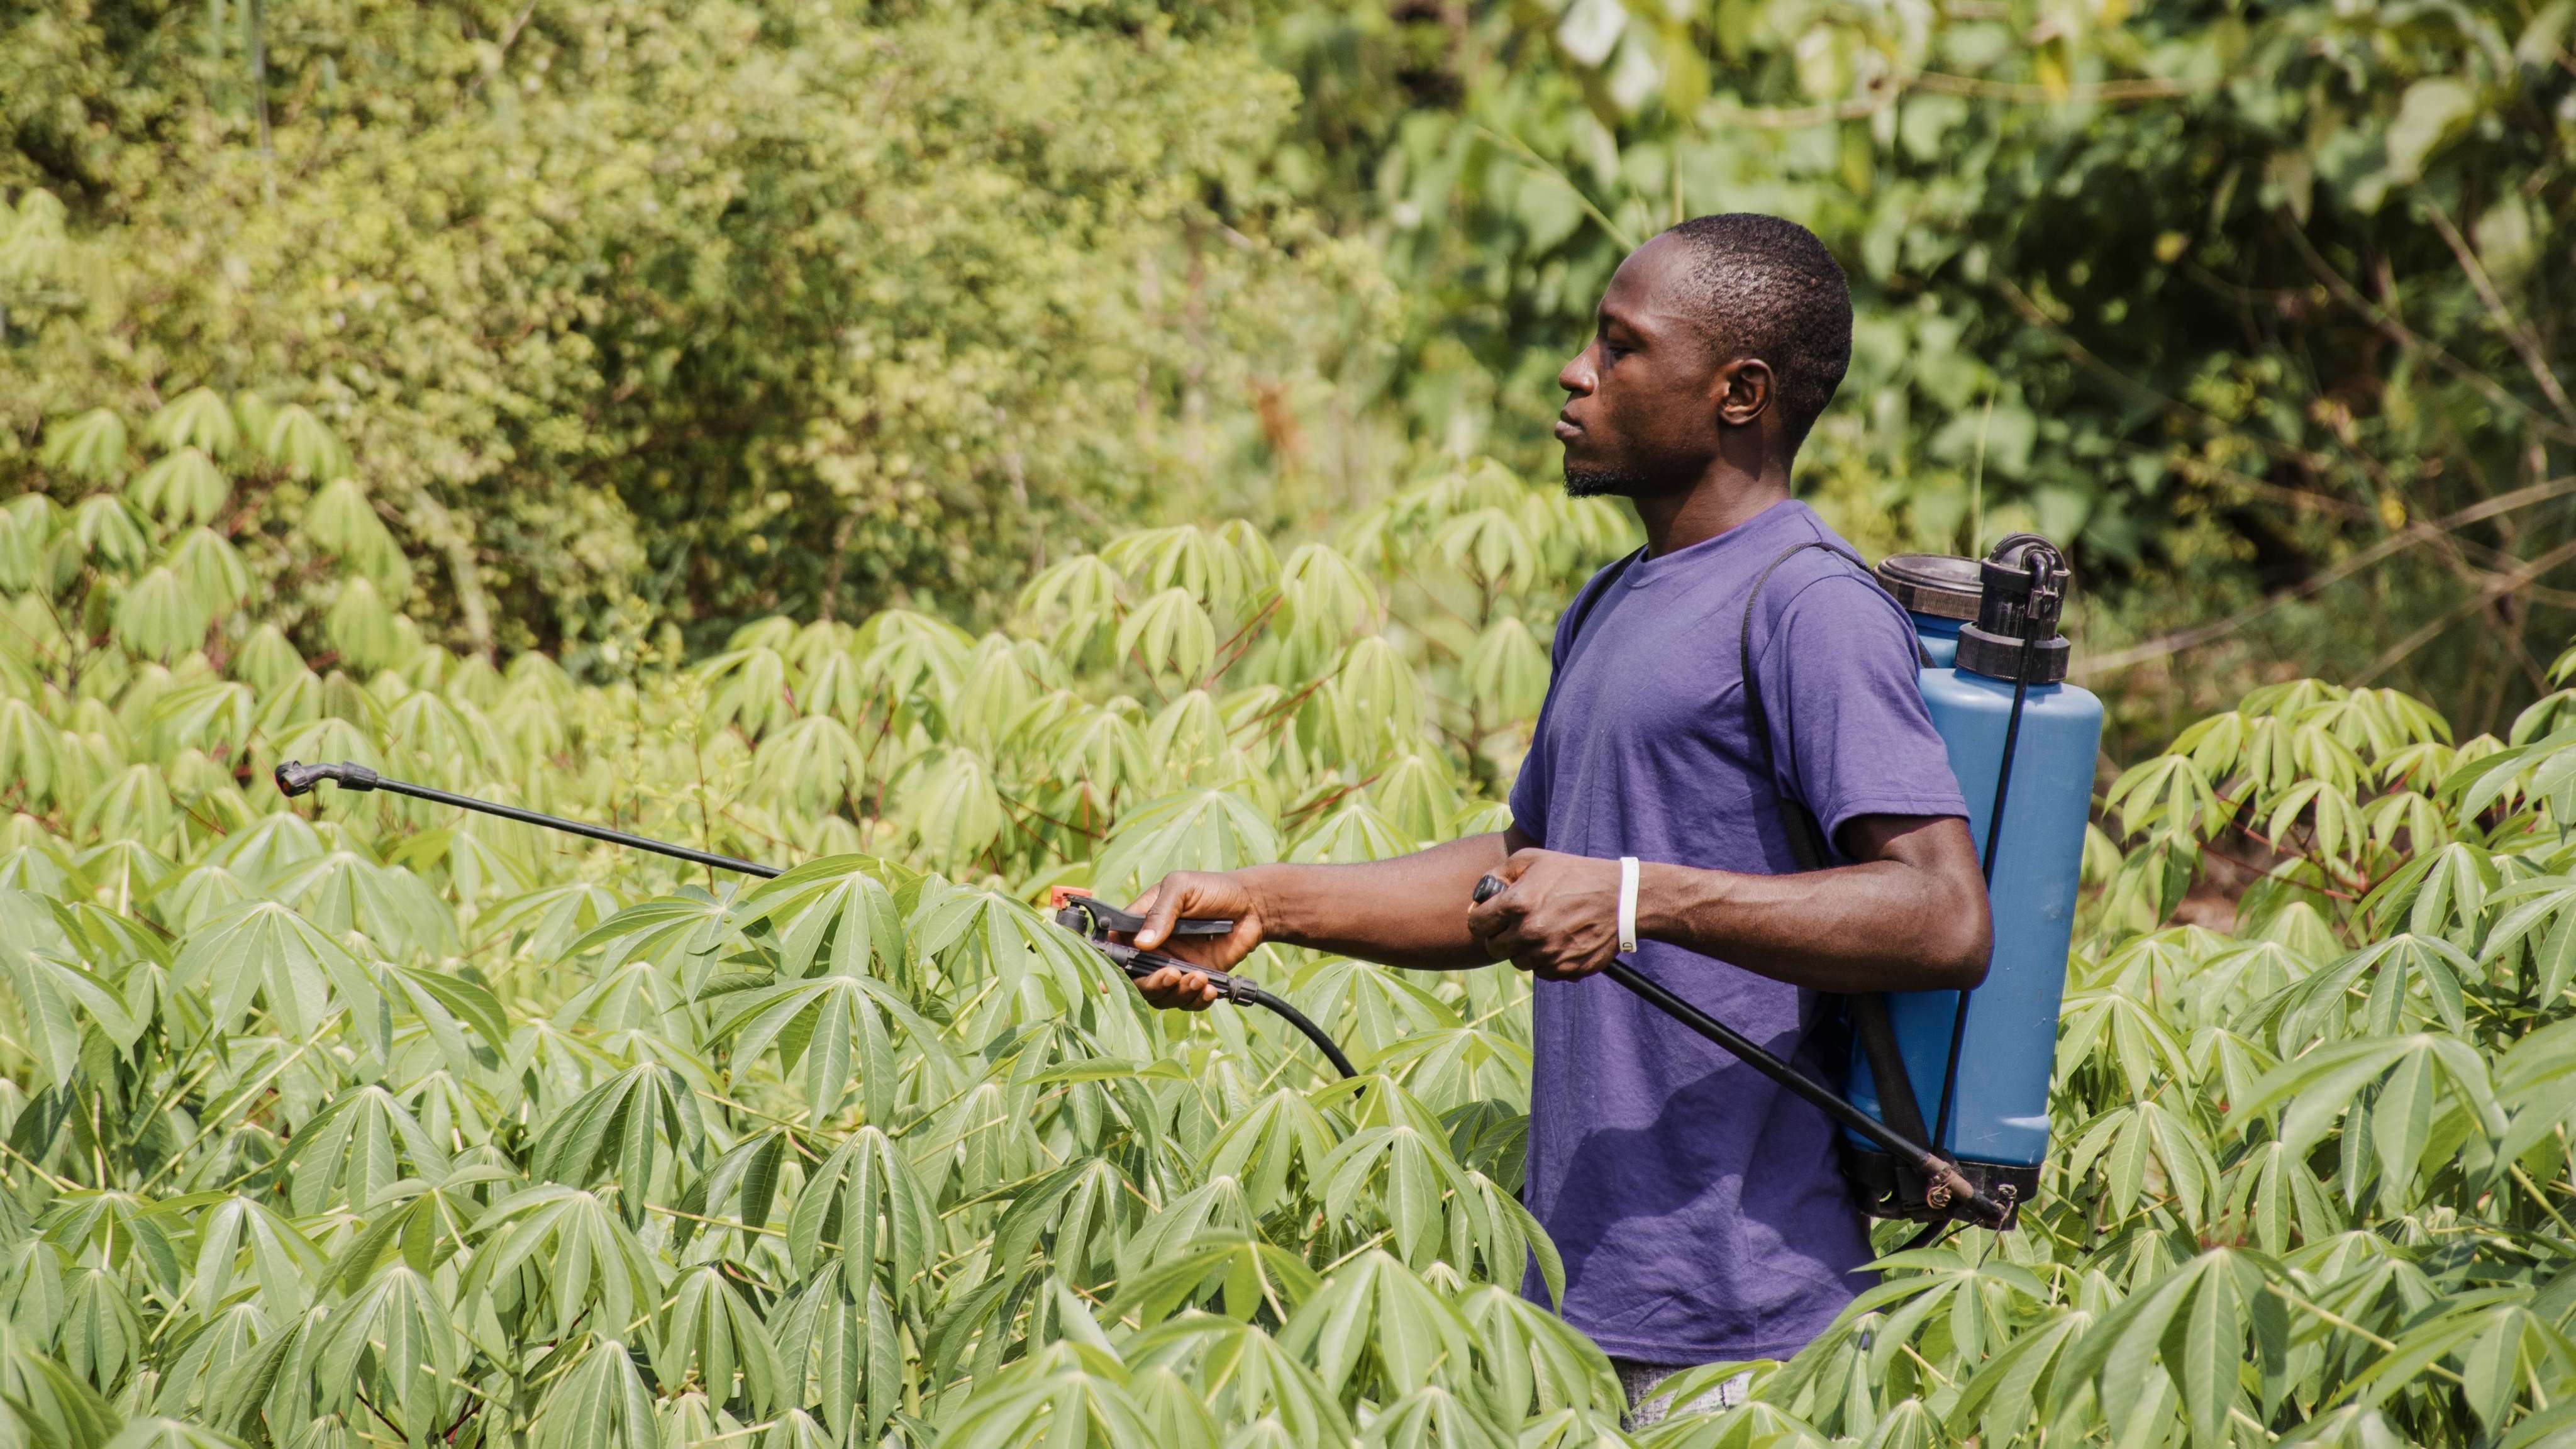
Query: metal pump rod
<point>296,778</point>
<point>1947,1184</point>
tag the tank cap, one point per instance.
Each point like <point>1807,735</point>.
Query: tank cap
<point>1942,585</point>
<point>2025,580</point>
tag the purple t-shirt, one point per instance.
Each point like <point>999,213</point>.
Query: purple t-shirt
<point>1701,1210</point>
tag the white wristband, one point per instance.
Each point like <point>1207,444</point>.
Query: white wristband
<point>1627,903</point>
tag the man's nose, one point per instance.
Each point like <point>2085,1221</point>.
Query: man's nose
<point>1578,376</point>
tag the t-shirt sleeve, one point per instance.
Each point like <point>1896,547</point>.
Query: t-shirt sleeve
<point>1839,686</point>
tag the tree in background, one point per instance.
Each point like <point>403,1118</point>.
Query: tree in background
<point>681,312</point>
<point>2246,304</point>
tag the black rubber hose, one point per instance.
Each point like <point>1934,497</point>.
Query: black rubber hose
<point>296,778</point>
<point>1237,989</point>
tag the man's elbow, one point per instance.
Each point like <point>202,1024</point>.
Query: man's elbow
<point>1964,946</point>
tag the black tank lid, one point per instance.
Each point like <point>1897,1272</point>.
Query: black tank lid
<point>1939,584</point>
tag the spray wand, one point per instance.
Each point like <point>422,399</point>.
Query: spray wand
<point>1085,917</point>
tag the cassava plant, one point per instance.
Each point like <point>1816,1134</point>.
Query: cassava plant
<point>360,1120</point>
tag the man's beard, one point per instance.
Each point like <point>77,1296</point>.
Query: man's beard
<point>1582,482</point>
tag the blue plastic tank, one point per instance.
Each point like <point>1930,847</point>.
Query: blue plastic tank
<point>1998,1103</point>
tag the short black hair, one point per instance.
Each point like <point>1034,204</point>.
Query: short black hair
<point>1767,288</point>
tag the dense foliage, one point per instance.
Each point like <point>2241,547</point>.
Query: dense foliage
<point>369,1121</point>
<point>638,314</point>
<point>2245,302</point>
<point>803,379</point>
<point>677,311</point>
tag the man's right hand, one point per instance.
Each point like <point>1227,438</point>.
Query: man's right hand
<point>1202,894</point>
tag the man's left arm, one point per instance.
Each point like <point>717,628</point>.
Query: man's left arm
<point>1908,914</point>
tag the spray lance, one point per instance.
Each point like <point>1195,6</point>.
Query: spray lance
<point>1089,919</point>
<point>1094,921</point>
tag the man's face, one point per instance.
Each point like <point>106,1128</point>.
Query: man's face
<point>1645,394</point>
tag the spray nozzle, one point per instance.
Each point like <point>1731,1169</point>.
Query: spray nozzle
<point>294,777</point>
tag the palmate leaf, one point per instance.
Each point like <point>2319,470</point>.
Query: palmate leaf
<point>1530,1362</point>
<point>343,891</point>
<point>299,442</point>
<point>1244,1376</point>
<point>2384,988</point>
<point>2493,1336</point>
<point>160,617</point>
<point>955,812</point>
<point>1044,972</point>
<point>43,1405</point>
<point>1233,1272</point>
<point>2149,1156</point>
<point>394,1339</point>
<point>1067,1396</point>
<point>1208,568</point>
<point>685,934</point>
<point>1079,1215</point>
<point>1267,1141</point>
<point>588,1263</point>
<point>1193,830</point>
<point>1977,1303</point>
<point>839,1342</point>
<point>90,446</point>
<point>620,1129</point>
<point>814,762</point>
<point>356,1149</point>
<point>261,950</point>
<point>2200,1325</point>
<point>739,1187</point>
<point>57,1002</point>
<point>830,1024</point>
<point>184,486</point>
<point>197,418</point>
<point>601,1404</point>
<point>833,915</point>
<point>2412,1074</point>
<point>1374,1326</point>
<point>864,1207</point>
<point>281,1260</point>
<point>1074,601</point>
<point>2536,932</point>
<point>712,1332</point>
<point>423,1226</point>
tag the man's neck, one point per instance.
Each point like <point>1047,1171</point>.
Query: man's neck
<point>1721,499</point>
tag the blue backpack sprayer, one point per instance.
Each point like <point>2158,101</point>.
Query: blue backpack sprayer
<point>2019,738</point>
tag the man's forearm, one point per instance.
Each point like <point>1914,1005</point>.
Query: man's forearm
<point>1879,926</point>
<point>1407,911</point>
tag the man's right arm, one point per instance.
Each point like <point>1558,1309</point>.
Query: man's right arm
<point>1407,911</point>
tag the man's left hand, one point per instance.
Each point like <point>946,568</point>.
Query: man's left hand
<point>1558,918</point>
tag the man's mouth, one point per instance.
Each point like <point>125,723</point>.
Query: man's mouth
<point>1566,428</point>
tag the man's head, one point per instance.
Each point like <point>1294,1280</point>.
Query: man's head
<point>1723,337</point>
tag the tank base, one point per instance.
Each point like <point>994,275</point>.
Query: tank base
<point>1891,1191</point>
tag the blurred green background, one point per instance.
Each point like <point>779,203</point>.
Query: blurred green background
<point>642,318</point>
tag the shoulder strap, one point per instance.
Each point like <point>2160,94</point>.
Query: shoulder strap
<point>1807,846</point>
<point>1583,606</point>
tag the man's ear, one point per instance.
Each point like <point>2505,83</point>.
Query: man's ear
<point>1744,389</point>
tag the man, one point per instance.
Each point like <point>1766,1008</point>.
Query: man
<point>1700,1209</point>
